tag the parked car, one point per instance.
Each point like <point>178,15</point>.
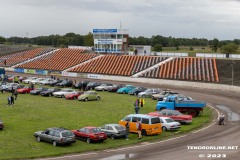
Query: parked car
<point>62,92</point>
<point>9,86</point>
<point>137,90</point>
<point>169,124</point>
<point>102,87</point>
<point>37,81</point>
<point>46,81</point>
<point>50,91</point>
<point>90,134</point>
<point>114,130</point>
<point>56,136</point>
<point>81,85</point>
<point>38,91</point>
<point>73,95</point>
<point>89,95</point>
<point>92,85</point>
<point>164,97</point>
<point>126,89</point>
<point>55,82</point>
<point>15,87</point>
<point>149,92</point>
<point>28,80</point>
<point>24,90</point>
<point>21,78</point>
<point>161,94</point>
<point>174,114</point>
<point>150,124</point>
<point>1,124</point>
<point>115,87</point>
<point>65,83</point>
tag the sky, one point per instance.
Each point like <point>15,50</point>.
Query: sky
<point>177,18</point>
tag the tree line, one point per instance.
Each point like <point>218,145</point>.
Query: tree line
<point>157,42</point>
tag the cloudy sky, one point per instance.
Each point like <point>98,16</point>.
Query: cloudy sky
<point>177,18</point>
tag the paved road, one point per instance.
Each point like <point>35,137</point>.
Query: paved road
<point>180,147</point>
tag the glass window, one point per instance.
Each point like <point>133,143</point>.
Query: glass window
<point>95,130</point>
<point>110,128</point>
<point>161,121</point>
<point>56,134</point>
<point>67,134</point>
<point>134,119</point>
<point>169,120</point>
<point>155,120</point>
<point>119,36</point>
<point>127,118</point>
<point>119,127</point>
<point>82,130</point>
<point>145,120</point>
<point>51,133</point>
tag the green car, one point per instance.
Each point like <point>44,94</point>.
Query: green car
<point>89,95</point>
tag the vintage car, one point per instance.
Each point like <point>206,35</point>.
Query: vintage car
<point>23,90</point>
<point>46,81</point>
<point>62,92</point>
<point>126,89</point>
<point>169,124</point>
<point>114,130</point>
<point>65,83</point>
<point>174,114</point>
<point>162,93</point>
<point>90,134</point>
<point>103,87</point>
<point>38,91</point>
<point>50,91</point>
<point>115,87</point>
<point>73,95</point>
<point>28,80</point>
<point>56,136</point>
<point>55,82</point>
<point>148,92</point>
<point>37,81</point>
<point>92,85</point>
<point>89,95</point>
<point>137,90</point>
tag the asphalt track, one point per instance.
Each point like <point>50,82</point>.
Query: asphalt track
<point>205,144</point>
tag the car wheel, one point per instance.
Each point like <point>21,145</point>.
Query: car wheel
<point>54,143</point>
<point>112,137</point>
<point>124,92</point>
<point>38,139</point>
<point>164,128</point>
<point>98,98</point>
<point>88,140</point>
<point>144,132</point>
<point>86,99</point>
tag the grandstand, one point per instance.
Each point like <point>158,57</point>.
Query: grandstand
<point>11,49</point>
<point>118,65</point>
<point>193,69</point>
<point>13,59</point>
<point>58,60</point>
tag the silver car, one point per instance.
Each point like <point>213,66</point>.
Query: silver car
<point>114,130</point>
<point>149,92</point>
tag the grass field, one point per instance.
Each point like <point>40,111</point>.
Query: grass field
<point>34,113</point>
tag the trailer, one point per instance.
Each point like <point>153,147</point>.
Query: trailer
<point>192,108</point>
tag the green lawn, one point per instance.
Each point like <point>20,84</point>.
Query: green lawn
<point>34,113</point>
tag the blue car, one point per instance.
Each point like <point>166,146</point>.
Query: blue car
<point>126,89</point>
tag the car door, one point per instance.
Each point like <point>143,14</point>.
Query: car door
<point>81,133</point>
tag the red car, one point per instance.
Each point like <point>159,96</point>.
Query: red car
<point>26,89</point>
<point>174,114</point>
<point>73,95</point>
<point>90,134</point>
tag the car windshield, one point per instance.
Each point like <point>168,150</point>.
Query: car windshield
<point>169,120</point>
<point>176,113</point>
<point>119,128</point>
<point>67,134</point>
<point>95,130</point>
<point>155,120</point>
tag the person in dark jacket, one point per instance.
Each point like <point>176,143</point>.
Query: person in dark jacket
<point>127,129</point>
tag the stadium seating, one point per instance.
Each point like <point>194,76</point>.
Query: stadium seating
<point>59,60</point>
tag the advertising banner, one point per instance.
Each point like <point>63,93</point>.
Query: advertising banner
<point>82,75</point>
<point>19,70</point>
<point>94,76</point>
<point>55,73</point>
<point>31,71</point>
<point>70,74</point>
<point>39,71</point>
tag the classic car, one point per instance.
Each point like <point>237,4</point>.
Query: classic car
<point>38,80</point>
<point>62,92</point>
<point>90,134</point>
<point>28,80</point>
<point>46,81</point>
<point>89,95</point>
<point>38,91</point>
<point>115,87</point>
<point>56,136</point>
<point>50,91</point>
<point>65,83</point>
<point>102,87</point>
<point>114,130</point>
<point>73,95</point>
<point>174,114</point>
<point>148,92</point>
<point>126,89</point>
<point>137,90</point>
<point>92,85</point>
<point>26,89</point>
<point>169,124</point>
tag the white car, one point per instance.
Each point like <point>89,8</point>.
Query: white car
<point>149,92</point>
<point>29,79</point>
<point>102,87</point>
<point>62,92</point>
<point>169,124</point>
<point>36,81</point>
<point>9,86</point>
<point>46,81</point>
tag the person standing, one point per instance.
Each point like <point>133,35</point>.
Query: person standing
<point>136,106</point>
<point>139,129</point>
<point>9,101</point>
<point>12,101</point>
<point>127,129</point>
<point>142,102</point>
<point>15,93</point>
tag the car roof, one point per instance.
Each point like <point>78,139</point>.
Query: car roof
<point>140,115</point>
<point>90,127</point>
<point>58,129</point>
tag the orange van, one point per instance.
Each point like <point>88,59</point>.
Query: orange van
<point>150,124</point>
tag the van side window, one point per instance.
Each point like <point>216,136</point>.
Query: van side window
<point>127,119</point>
<point>145,121</point>
<point>155,120</point>
<point>134,119</point>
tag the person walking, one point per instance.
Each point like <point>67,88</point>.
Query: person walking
<point>136,106</point>
<point>12,101</point>
<point>142,102</point>
<point>127,129</point>
<point>9,101</point>
<point>139,129</point>
<point>15,93</point>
